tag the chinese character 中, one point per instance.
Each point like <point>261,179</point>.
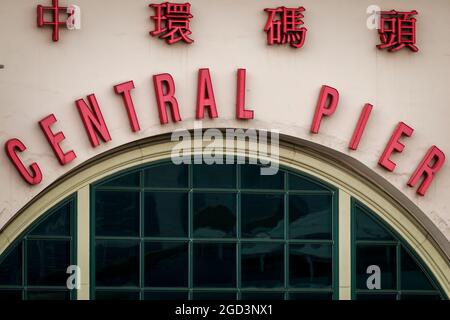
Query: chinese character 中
<point>284,25</point>
<point>55,23</point>
<point>397,30</point>
<point>172,22</point>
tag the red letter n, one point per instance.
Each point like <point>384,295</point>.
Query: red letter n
<point>93,120</point>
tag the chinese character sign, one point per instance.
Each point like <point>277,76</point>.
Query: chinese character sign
<point>397,30</point>
<point>172,22</point>
<point>284,25</point>
<point>55,22</point>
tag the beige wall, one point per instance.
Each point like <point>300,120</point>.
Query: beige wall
<point>41,77</point>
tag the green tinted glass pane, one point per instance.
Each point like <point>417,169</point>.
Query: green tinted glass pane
<point>310,216</point>
<point>214,265</point>
<point>10,295</point>
<point>47,262</point>
<point>299,183</point>
<point>214,215</point>
<point>376,296</point>
<point>166,295</point>
<point>372,255</point>
<point>116,295</point>
<point>367,228</point>
<point>310,265</point>
<point>214,176</point>
<point>117,263</point>
<point>262,265</point>
<point>412,275</point>
<point>420,297</point>
<point>214,295</point>
<point>11,267</point>
<point>262,295</point>
<point>262,216</point>
<point>127,180</point>
<point>310,296</point>
<point>48,295</point>
<point>166,264</point>
<point>117,213</point>
<point>57,224</point>
<point>166,176</point>
<point>166,214</point>
<point>251,178</point>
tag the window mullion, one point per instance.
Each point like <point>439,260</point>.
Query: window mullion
<point>345,246</point>
<point>83,238</point>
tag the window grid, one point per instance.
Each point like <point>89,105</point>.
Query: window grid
<point>397,242</point>
<point>23,242</point>
<point>238,240</point>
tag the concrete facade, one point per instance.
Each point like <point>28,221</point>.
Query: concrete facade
<point>41,77</point>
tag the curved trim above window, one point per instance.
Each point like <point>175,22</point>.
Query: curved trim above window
<point>293,156</point>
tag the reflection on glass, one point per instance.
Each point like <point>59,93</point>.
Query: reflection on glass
<point>367,228</point>
<point>166,264</point>
<point>383,256</point>
<point>310,265</point>
<point>262,265</point>
<point>127,180</point>
<point>117,213</point>
<point>117,263</point>
<point>166,175</point>
<point>57,224</point>
<point>413,277</point>
<point>166,214</point>
<point>251,178</point>
<point>214,176</point>
<point>214,215</point>
<point>310,217</point>
<point>262,216</point>
<point>47,262</point>
<point>11,267</point>
<point>214,265</point>
<point>300,183</point>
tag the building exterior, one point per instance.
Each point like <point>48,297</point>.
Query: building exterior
<point>359,205</point>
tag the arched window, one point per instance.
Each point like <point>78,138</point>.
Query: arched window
<point>34,266</point>
<point>164,231</point>
<point>213,232</point>
<point>384,267</point>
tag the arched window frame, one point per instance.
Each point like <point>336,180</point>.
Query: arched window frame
<point>25,236</point>
<point>400,244</point>
<point>285,192</point>
<point>409,223</point>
